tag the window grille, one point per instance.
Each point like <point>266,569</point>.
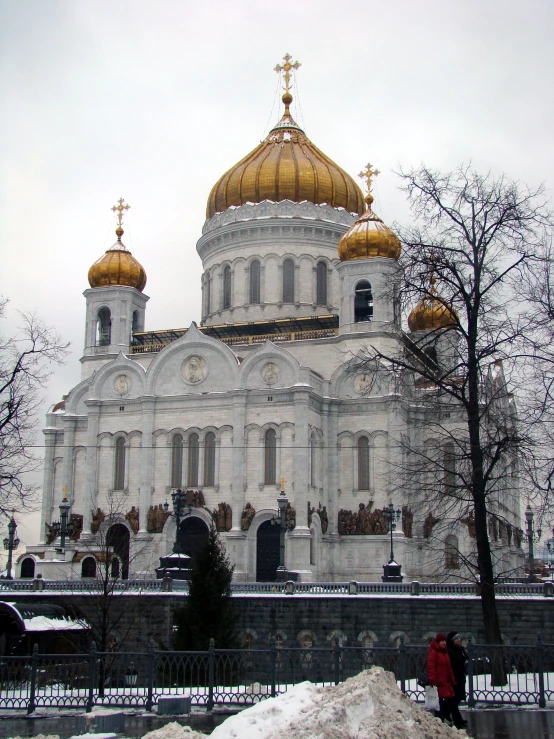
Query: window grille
<point>177,462</point>
<point>193,461</point>
<point>363,463</point>
<point>288,281</point>
<point>119,473</point>
<point>255,282</point>
<point>227,287</point>
<point>209,460</point>
<point>321,291</point>
<point>270,473</point>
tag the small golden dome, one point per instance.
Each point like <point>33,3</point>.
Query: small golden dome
<point>117,267</point>
<point>285,166</point>
<point>430,314</point>
<point>369,236</point>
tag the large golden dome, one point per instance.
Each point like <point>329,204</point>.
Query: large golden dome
<point>117,267</point>
<point>285,166</point>
<point>369,236</point>
<point>431,314</point>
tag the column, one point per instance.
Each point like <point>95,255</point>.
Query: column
<point>236,539</point>
<point>91,475</point>
<point>146,462</point>
<point>298,541</point>
<point>47,491</point>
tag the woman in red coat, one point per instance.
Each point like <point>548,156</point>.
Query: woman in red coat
<point>439,674</point>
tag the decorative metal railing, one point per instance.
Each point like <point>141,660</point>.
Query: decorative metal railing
<point>286,588</point>
<point>507,674</point>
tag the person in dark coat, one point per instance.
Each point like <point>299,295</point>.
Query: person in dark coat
<point>440,674</point>
<point>458,659</point>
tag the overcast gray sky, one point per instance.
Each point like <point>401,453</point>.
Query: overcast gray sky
<point>152,100</point>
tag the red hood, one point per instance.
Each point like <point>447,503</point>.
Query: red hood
<point>437,647</point>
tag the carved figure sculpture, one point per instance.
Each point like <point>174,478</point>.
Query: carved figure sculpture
<point>470,523</point>
<point>311,511</point>
<point>151,520</point>
<point>509,532</point>
<point>428,524</point>
<point>518,537</point>
<point>97,519</point>
<point>223,517</point>
<point>160,518</point>
<point>290,517</point>
<point>407,522</point>
<point>76,525</point>
<point>324,518</point>
<point>493,527</point>
<point>247,516</point>
<point>133,518</point>
<point>51,534</point>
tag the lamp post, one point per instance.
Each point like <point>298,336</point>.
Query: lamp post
<point>529,515</point>
<point>178,498</point>
<point>281,521</point>
<point>64,515</point>
<point>392,572</point>
<point>11,542</point>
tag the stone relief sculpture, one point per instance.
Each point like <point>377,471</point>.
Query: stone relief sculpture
<point>290,517</point>
<point>364,521</point>
<point>247,516</point>
<point>270,373</point>
<point>428,524</point>
<point>194,498</point>
<point>133,518</point>
<point>122,384</point>
<point>51,533</point>
<point>193,369</point>
<point>407,522</point>
<point>97,518</point>
<point>223,517</point>
<point>323,517</point>
<point>156,518</point>
<point>76,526</point>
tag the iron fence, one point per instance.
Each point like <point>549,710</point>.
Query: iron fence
<point>506,674</point>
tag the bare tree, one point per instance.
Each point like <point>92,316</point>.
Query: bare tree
<point>26,362</point>
<point>463,259</point>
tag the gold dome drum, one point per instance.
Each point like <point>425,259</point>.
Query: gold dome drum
<point>286,166</point>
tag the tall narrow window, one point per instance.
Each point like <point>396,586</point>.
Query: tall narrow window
<point>135,324</point>
<point>313,460</point>
<point>255,281</point>
<point>451,553</point>
<point>288,281</point>
<point>363,463</point>
<point>207,294</point>
<point>177,461</point>
<point>209,460</point>
<point>119,473</point>
<point>104,327</point>
<point>270,471</point>
<point>363,302</point>
<point>192,477</point>
<point>449,464</point>
<point>321,287</point>
<point>227,287</point>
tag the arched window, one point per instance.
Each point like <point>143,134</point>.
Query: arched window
<point>255,281</point>
<point>115,567</point>
<point>209,460</point>
<point>363,463</point>
<point>288,281</point>
<point>192,472</point>
<point>321,286</point>
<point>135,323</point>
<point>119,472</point>
<point>227,287</point>
<point>270,466</point>
<point>363,302</point>
<point>28,567</point>
<point>104,327</point>
<point>88,567</point>
<point>177,461</point>
<point>451,553</point>
<point>207,294</point>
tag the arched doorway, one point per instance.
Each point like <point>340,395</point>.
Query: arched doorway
<point>193,534</point>
<point>267,552</point>
<point>28,567</point>
<point>118,538</point>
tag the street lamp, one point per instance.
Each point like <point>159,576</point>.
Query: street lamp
<point>392,572</point>
<point>178,498</point>
<point>64,515</point>
<point>11,542</point>
<point>281,521</point>
<point>530,537</point>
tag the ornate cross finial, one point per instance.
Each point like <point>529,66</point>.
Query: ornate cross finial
<point>368,174</point>
<point>120,208</point>
<point>283,481</point>
<point>284,70</point>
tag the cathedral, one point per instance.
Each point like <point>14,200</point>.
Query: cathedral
<point>263,398</point>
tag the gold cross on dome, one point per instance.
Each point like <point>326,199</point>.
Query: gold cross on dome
<point>119,208</point>
<point>368,174</point>
<point>285,70</point>
<point>283,481</point>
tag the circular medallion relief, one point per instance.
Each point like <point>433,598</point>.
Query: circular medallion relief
<point>270,373</point>
<point>194,369</point>
<point>363,382</point>
<point>122,384</point>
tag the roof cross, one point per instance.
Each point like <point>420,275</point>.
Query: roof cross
<point>285,69</point>
<point>119,208</point>
<point>368,174</point>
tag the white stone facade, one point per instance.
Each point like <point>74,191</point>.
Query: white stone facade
<point>221,401</point>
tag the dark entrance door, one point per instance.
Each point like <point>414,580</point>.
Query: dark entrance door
<point>267,552</point>
<point>193,534</point>
<point>118,538</point>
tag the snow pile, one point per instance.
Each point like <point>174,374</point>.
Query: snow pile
<point>38,736</point>
<point>368,706</point>
<point>174,731</point>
